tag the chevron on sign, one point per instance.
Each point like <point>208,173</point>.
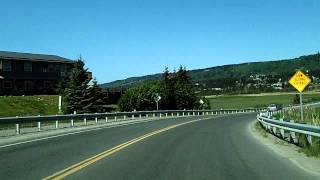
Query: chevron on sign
<point>300,81</point>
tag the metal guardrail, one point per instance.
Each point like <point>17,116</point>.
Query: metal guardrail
<point>287,130</point>
<point>111,117</point>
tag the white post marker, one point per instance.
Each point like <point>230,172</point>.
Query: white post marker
<point>300,81</point>
<point>60,104</point>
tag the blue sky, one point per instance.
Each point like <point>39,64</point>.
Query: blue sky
<point>120,39</point>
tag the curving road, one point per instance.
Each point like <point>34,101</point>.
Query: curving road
<point>213,148</point>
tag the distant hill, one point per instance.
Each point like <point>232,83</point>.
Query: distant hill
<point>229,75</point>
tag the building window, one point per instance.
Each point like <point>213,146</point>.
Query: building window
<point>7,66</point>
<point>27,66</point>
<point>45,68</point>
<point>7,84</point>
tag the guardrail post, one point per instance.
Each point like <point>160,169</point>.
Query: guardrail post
<point>85,121</point>
<point>193,113</point>
<point>140,116</point>
<point>282,130</point>
<point>274,129</point>
<point>115,118</point>
<point>154,115</point>
<point>188,113</point>
<point>147,115</point>
<point>106,119</point>
<point>72,123</point>
<point>177,114</point>
<point>182,113</point>
<point>17,128</point>
<point>39,126</point>
<point>171,114</point>
<point>124,117</point>
<point>132,116</point>
<point>309,137</point>
<point>57,125</point>
<point>159,114</point>
<point>293,135</point>
<point>166,114</point>
<point>96,119</point>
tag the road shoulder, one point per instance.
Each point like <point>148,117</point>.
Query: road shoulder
<point>287,150</point>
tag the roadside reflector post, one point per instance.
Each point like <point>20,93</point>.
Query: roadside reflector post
<point>72,123</point>
<point>39,126</point>
<point>85,121</point>
<point>96,119</point>
<point>17,128</point>
<point>57,124</point>
<point>106,119</point>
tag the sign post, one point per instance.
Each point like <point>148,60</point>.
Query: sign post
<point>157,98</point>
<point>300,81</point>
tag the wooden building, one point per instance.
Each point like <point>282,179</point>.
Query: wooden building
<point>31,74</point>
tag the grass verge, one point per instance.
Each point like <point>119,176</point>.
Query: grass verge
<point>28,105</point>
<point>258,100</point>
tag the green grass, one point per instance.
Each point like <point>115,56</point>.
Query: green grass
<point>11,106</point>
<point>254,101</point>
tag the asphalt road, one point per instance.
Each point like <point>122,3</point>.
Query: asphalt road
<point>216,148</point>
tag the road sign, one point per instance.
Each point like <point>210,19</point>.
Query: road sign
<point>300,81</point>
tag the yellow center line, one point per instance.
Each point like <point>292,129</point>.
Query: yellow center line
<point>78,166</point>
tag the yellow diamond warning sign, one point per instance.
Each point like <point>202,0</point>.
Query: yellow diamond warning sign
<point>300,81</point>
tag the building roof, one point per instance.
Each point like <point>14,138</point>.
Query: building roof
<point>33,57</point>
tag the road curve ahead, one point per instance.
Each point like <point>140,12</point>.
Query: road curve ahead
<point>181,148</point>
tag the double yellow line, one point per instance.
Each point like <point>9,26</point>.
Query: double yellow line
<point>78,166</point>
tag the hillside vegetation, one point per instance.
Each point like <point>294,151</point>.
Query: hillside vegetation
<point>237,77</point>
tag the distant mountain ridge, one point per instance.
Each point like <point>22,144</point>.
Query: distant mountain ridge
<point>220,76</point>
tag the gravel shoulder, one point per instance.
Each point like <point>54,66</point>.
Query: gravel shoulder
<point>287,150</point>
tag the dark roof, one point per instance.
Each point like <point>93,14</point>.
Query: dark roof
<point>33,57</point>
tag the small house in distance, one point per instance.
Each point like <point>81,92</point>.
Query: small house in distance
<point>31,74</point>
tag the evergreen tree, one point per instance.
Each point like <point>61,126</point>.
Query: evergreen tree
<point>76,90</point>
